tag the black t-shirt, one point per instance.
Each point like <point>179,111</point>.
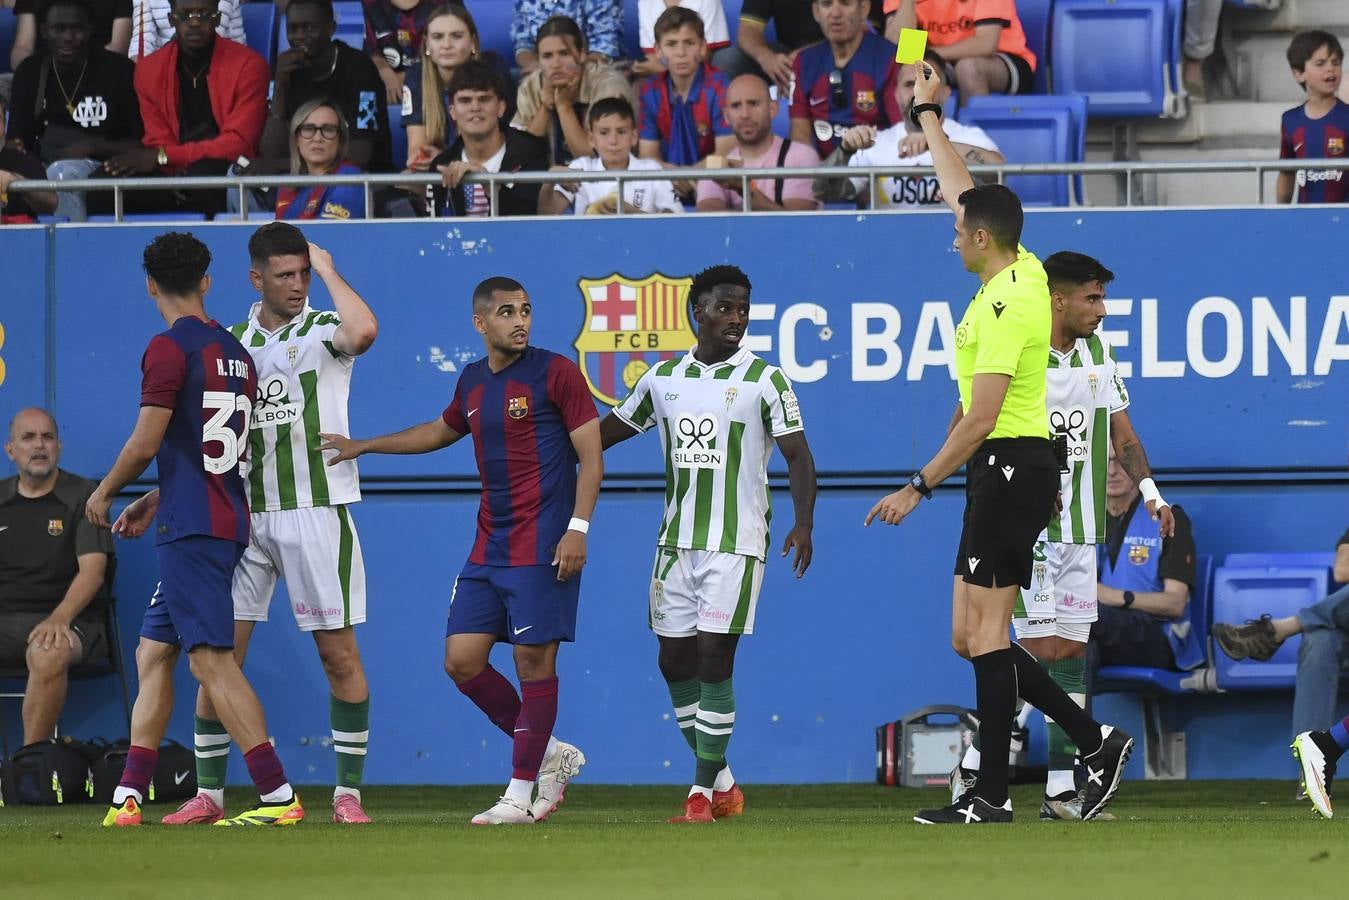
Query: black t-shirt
<point>103,98</point>
<point>792,21</point>
<point>1177,559</point>
<point>41,541</point>
<point>20,162</point>
<point>196,119</point>
<point>357,90</point>
<point>101,15</point>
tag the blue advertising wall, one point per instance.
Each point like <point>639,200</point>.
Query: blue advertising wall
<point>1237,348</point>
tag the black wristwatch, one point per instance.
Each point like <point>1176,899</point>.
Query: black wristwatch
<point>919,485</point>
<point>1128,599</point>
<point>922,108</point>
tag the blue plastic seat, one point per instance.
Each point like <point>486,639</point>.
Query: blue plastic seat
<point>9,23</point>
<point>493,18</point>
<point>1248,592</point>
<point>260,28</point>
<point>1314,558</point>
<point>1033,129</point>
<point>1035,16</point>
<point>732,10</point>
<point>1116,54</point>
<point>1193,628</point>
<point>632,44</point>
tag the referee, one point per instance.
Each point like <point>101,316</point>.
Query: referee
<point>1001,429</point>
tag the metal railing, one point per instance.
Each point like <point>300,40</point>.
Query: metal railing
<point>1128,170</point>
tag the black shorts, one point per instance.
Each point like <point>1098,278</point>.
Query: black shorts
<point>15,628</point>
<point>1010,487</point>
<point>1021,77</point>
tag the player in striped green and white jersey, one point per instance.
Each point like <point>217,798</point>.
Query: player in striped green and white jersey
<point>719,409</point>
<point>1088,407</point>
<point>301,530</point>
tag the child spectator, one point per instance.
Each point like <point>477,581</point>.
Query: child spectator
<point>477,103</point>
<point>648,11</point>
<point>683,109</point>
<point>553,101</point>
<point>845,80</point>
<point>982,39</point>
<point>613,133</point>
<point>1319,128</point>
<point>318,146</point>
<point>393,38</point>
<point>451,40</point>
<point>601,21</point>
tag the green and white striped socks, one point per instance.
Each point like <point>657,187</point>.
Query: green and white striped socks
<point>212,751</point>
<point>712,726</point>
<point>1069,674</point>
<point>351,734</point>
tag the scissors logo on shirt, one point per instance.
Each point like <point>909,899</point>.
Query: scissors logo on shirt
<point>517,407</point>
<point>695,438</point>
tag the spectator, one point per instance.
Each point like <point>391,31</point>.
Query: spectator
<point>1145,581</point>
<point>110,21</point>
<point>750,111</point>
<point>903,145</point>
<point>1323,627</point>
<point>203,102</point>
<point>710,13</point>
<point>52,566</point>
<point>316,67</point>
<point>16,164</point>
<point>847,80</point>
<point>451,40</point>
<point>795,26</point>
<point>982,39</point>
<point>613,132</point>
<point>601,21</point>
<point>1317,129</point>
<point>1201,35</point>
<point>393,38</point>
<point>74,105</point>
<point>319,144</point>
<point>552,101</point>
<point>683,109</point>
<point>152,29</point>
<point>477,103</point>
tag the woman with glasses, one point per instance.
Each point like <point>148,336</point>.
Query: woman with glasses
<point>319,139</point>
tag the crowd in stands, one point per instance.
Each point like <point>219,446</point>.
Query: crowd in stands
<point>112,89</point>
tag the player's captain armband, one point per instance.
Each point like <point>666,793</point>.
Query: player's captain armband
<point>1148,488</point>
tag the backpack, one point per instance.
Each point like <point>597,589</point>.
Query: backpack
<point>49,773</point>
<point>175,775</point>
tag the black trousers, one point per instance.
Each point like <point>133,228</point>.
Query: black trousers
<point>100,203</point>
<point>1127,637</point>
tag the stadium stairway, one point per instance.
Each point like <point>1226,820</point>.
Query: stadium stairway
<point>1240,120</point>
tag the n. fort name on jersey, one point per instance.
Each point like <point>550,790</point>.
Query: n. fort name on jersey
<point>231,368</point>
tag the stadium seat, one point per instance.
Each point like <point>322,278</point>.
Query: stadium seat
<point>1247,592</point>
<point>350,26</point>
<point>1032,129</point>
<point>1195,651</point>
<point>398,135</point>
<point>493,18</point>
<point>8,24</point>
<point>131,218</point>
<point>632,44</point>
<point>1117,54</point>
<point>1254,4</point>
<point>732,9</point>
<point>1034,16</point>
<point>260,28</point>
<point>1313,558</point>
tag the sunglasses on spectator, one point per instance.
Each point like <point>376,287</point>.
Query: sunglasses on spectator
<point>196,16</point>
<point>837,96</point>
<point>309,129</point>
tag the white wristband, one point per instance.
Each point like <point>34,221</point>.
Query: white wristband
<point>1148,488</point>
<point>580,525</point>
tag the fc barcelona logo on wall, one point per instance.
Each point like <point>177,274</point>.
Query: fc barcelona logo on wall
<point>630,325</point>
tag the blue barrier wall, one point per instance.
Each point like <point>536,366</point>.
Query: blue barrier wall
<point>1238,364</point>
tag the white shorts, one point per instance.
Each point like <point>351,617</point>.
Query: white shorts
<point>1061,599</point>
<point>703,590</point>
<point>317,552</point>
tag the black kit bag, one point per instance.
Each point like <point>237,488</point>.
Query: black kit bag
<point>175,775</point>
<point>49,773</point>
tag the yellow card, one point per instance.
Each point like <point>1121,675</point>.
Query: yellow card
<point>912,44</point>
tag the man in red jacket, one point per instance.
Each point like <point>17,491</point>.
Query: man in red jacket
<point>203,101</point>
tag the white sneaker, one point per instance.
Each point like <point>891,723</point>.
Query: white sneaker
<point>506,812</point>
<point>558,768</point>
<point>1317,771</point>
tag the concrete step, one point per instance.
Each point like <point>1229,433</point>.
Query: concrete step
<point>1261,68</point>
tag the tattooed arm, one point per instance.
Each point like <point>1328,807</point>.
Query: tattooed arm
<point>1130,455</point>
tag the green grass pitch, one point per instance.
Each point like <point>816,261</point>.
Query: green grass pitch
<point>1185,840</point>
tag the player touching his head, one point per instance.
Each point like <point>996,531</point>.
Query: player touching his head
<point>1001,429</point>
<point>719,410</point>
<point>300,527</point>
<point>533,422</point>
<point>196,402</point>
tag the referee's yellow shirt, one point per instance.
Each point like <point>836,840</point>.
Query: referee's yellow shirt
<point>1005,330</point>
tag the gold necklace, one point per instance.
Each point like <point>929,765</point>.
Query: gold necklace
<point>70,96</point>
<point>200,72</point>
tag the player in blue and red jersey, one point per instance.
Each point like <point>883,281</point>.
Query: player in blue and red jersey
<point>845,80</point>
<point>532,422</point>
<point>1319,128</point>
<point>197,392</point>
